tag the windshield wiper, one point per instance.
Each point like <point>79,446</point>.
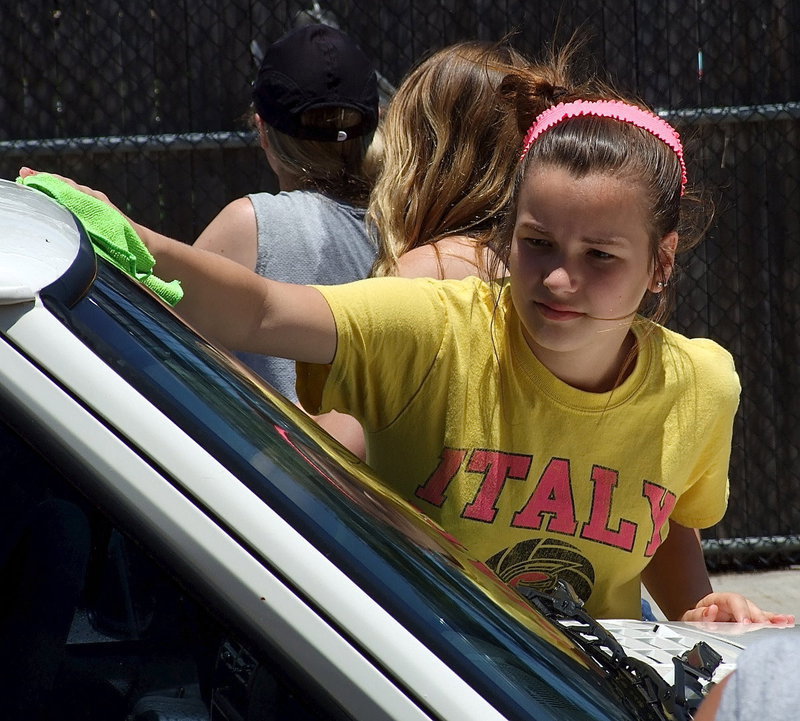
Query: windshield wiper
<point>673,702</point>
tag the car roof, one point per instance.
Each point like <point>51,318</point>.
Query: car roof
<point>41,244</point>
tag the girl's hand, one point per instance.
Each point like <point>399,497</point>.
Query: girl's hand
<point>26,172</point>
<point>735,608</point>
<point>149,237</point>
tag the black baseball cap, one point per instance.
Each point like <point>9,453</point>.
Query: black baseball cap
<point>316,66</point>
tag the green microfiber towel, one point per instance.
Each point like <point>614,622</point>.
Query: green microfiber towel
<point>111,234</point>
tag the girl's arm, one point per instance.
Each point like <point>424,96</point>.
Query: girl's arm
<point>240,310</point>
<point>345,429</point>
<point>677,579</point>
<point>676,576</point>
<point>710,704</point>
<point>233,233</point>
<point>234,306</point>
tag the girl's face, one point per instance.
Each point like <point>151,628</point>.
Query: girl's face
<point>580,263</point>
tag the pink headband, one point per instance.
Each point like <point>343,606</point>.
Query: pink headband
<point>608,109</point>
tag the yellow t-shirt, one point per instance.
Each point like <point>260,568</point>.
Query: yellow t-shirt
<point>538,479</point>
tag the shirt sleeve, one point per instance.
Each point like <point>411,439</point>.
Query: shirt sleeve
<point>389,333</point>
<point>717,384</point>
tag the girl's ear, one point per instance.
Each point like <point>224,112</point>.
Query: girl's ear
<point>262,131</point>
<point>666,262</point>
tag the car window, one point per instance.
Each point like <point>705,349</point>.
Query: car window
<point>139,646</point>
<point>517,660</point>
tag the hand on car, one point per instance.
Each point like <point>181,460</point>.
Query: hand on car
<point>149,237</point>
<point>26,172</point>
<point>735,608</point>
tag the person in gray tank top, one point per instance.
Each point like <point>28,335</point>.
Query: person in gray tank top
<point>316,112</point>
<point>762,687</point>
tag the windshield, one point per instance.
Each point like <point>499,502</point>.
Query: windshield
<point>521,662</point>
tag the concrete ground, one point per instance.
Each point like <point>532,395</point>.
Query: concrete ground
<point>777,590</point>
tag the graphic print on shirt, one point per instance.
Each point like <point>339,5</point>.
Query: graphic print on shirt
<point>552,506</point>
<point>539,562</point>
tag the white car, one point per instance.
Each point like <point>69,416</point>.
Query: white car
<point>241,564</point>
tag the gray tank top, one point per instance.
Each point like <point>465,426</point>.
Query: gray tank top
<point>763,686</point>
<point>305,237</point>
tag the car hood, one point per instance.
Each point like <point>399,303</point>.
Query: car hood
<point>657,643</point>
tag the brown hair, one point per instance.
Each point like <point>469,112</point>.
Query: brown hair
<point>449,150</point>
<point>588,144</point>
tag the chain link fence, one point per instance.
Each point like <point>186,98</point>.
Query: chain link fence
<point>146,100</point>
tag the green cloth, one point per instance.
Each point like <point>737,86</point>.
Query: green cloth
<point>111,234</point>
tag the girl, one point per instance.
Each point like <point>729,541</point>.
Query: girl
<point>316,113</point>
<point>541,420</point>
<point>449,150</point>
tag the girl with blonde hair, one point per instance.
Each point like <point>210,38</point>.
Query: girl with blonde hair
<point>449,150</point>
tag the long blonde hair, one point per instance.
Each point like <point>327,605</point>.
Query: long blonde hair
<point>449,151</point>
